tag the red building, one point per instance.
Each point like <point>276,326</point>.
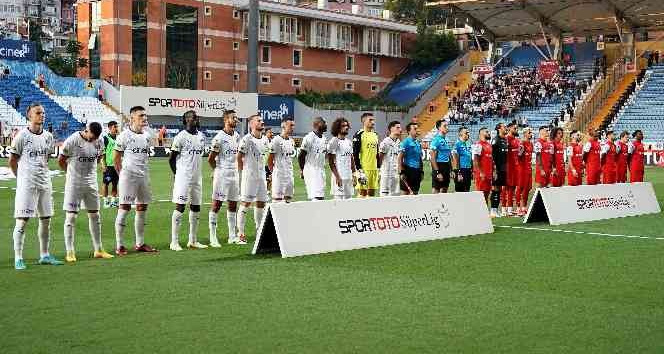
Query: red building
<point>202,44</point>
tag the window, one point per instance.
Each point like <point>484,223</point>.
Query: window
<point>207,75</point>
<point>236,77</point>
<point>344,37</point>
<point>264,27</point>
<point>265,80</point>
<point>349,86</point>
<point>236,14</point>
<point>373,41</point>
<point>394,44</point>
<point>350,63</point>
<point>323,35</point>
<point>265,55</point>
<point>289,29</point>
<point>207,43</point>
<point>236,45</point>
<point>375,65</point>
<point>139,43</point>
<point>208,11</point>
<point>297,57</point>
<point>181,46</point>
<point>374,87</point>
<point>296,82</point>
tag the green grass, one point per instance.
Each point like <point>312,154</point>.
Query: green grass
<point>514,291</point>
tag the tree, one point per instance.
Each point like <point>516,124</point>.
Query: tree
<point>36,36</point>
<point>417,12</point>
<point>68,64</point>
<point>432,48</point>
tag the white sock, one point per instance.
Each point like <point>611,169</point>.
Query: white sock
<point>242,214</point>
<point>231,218</point>
<point>120,223</point>
<point>494,210</point>
<point>106,200</point>
<point>19,238</point>
<point>212,225</point>
<point>176,219</point>
<point>70,225</point>
<point>509,210</point>
<point>44,231</point>
<point>194,218</point>
<point>139,227</point>
<point>258,217</point>
<point>94,225</point>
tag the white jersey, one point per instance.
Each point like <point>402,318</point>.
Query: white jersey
<point>82,163</point>
<point>190,158</point>
<point>254,150</point>
<point>284,152</point>
<point>342,149</point>
<point>390,164</point>
<point>226,147</point>
<point>136,151</point>
<point>33,150</point>
<point>316,149</point>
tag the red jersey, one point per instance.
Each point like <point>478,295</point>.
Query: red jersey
<point>575,156</point>
<point>559,163</point>
<point>610,156</point>
<point>636,152</point>
<point>546,151</point>
<point>591,150</point>
<point>514,145</point>
<point>621,162</point>
<point>526,165</point>
<point>483,150</point>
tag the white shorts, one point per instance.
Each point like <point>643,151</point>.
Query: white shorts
<point>31,202</point>
<point>189,192</point>
<point>345,191</point>
<point>225,186</point>
<point>282,186</point>
<point>74,195</point>
<point>134,190</point>
<point>253,188</point>
<point>389,185</point>
<point>314,180</point>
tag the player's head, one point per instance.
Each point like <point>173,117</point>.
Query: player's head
<point>527,134</point>
<point>368,121</point>
<point>230,119</point>
<point>256,125</point>
<point>501,130</point>
<point>394,128</point>
<point>593,133</point>
<point>190,120</point>
<point>36,113</point>
<point>137,117</point>
<point>610,136</point>
<point>638,135</point>
<point>624,136</point>
<point>287,126</point>
<point>575,136</point>
<point>269,134</point>
<point>484,134</point>
<point>544,132</point>
<point>464,135</point>
<point>557,133</point>
<point>319,125</point>
<point>411,128</point>
<point>512,128</point>
<point>92,131</point>
<point>340,127</point>
<point>442,126</point>
<point>113,127</point>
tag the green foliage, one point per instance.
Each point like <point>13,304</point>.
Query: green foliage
<point>432,48</point>
<point>67,64</point>
<point>344,100</point>
<point>36,36</point>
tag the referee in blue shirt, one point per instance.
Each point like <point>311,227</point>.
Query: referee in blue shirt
<point>441,152</point>
<point>410,162</point>
<point>462,161</point>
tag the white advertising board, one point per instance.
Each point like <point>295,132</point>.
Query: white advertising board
<point>304,228</point>
<point>564,205</point>
<point>175,102</point>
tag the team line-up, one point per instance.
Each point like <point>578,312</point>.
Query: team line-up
<point>501,167</point>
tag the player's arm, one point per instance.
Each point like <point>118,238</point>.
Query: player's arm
<point>477,153</point>
<point>357,146</point>
<point>13,162</point>
<point>301,158</point>
<point>62,162</point>
<point>240,161</point>
<point>604,149</point>
<point>103,161</point>
<point>433,154</point>
<point>117,160</point>
<point>333,167</point>
<point>630,152</point>
<point>172,160</point>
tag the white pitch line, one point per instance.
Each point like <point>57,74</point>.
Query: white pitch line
<point>579,232</point>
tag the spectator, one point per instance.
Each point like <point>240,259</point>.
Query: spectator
<point>100,94</point>
<point>17,102</point>
<point>162,135</point>
<point>40,80</point>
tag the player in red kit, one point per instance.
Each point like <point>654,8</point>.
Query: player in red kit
<point>558,171</point>
<point>525,171</point>
<point>575,158</point>
<point>636,158</point>
<point>483,163</point>
<point>609,156</point>
<point>591,157</point>
<point>512,182</point>
<point>621,162</point>
<point>543,149</point>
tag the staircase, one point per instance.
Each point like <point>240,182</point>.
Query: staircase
<point>627,80</point>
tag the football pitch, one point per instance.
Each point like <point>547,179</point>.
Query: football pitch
<point>541,289</point>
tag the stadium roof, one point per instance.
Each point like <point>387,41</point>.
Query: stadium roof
<point>514,19</point>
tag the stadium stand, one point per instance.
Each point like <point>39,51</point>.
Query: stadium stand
<point>582,56</point>
<point>645,108</point>
<point>525,55</point>
<point>9,115</point>
<point>415,81</point>
<point>65,86</point>
<point>86,109</point>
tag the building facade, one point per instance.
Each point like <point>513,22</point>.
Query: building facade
<point>202,44</point>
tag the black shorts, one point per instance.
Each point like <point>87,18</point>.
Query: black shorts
<point>110,175</point>
<point>501,178</point>
<point>445,169</point>
<point>413,177</point>
<point>463,185</point>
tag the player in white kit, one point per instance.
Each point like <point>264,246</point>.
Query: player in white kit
<point>340,158</point>
<point>388,160</point>
<point>80,154</point>
<point>29,161</point>
<point>280,162</point>
<point>132,151</point>
<point>253,188</point>
<point>186,162</point>
<point>226,182</point>
<point>312,160</point>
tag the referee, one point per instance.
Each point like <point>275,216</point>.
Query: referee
<point>440,159</point>
<point>410,162</point>
<point>462,161</point>
<point>499,149</point>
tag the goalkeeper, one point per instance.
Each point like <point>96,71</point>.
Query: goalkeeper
<point>365,156</point>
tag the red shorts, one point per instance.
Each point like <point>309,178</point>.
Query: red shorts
<point>621,175</point>
<point>574,181</point>
<point>609,177</point>
<point>543,180</point>
<point>592,176</point>
<point>512,176</point>
<point>636,176</point>
<point>558,179</point>
<point>483,185</point>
